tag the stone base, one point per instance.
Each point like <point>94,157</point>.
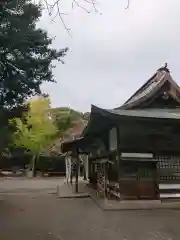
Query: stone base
<point>113,205</point>
<point>68,191</point>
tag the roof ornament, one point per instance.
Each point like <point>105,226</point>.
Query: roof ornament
<point>164,68</point>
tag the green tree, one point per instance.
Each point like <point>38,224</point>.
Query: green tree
<point>26,54</point>
<point>26,57</point>
<point>37,130</point>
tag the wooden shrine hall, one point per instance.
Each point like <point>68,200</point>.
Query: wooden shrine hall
<point>133,148</point>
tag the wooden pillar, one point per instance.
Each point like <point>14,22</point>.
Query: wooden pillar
<point>86,167</point>
<point>156,179</point>
<point>71,169</point>
<point>67,173</point>
<point>77,170</point>
<point>84,173</point>
<point>68,167</point>
<point>118,157</point>
<point>106,178</point>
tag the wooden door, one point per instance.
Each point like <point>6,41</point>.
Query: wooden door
<point>147,182</point>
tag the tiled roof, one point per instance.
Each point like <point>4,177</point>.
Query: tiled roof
<point>109,116</point>
<point>147,113</point>
<point>150,87</point>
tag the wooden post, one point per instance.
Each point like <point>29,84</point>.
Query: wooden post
<point>106,178</point>
<point>84,174</point>
<point>77,170</point>
<point>85,167</point>
<point>67,172</point>
<point>68,168</point>
<point>71,169</point>
<point>156,178</point>
<point>118,157</point>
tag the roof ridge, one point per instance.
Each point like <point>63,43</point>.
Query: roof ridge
<point>150,79</point>
<point>147,82</point>
<point>149,86</point>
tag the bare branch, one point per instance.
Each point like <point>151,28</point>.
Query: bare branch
<point>94,6</point>
<point>53,20</point>
<point>128,4</point>
<point>47,6</point>
<point>93,3</point>
<point>50,6</point>
<point>80,6</point>
<point>62,20</point>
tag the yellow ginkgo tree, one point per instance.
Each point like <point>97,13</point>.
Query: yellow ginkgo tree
<point>36,130</point>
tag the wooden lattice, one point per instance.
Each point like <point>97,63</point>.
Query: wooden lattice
<point>168,167</point>
<point>100,176</point>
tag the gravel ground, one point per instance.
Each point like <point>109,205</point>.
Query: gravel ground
<point>29,185</point>
<point>41,216</point>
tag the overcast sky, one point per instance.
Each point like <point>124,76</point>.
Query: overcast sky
<point>113,54</point>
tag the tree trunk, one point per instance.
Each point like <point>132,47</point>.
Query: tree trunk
<point>34,166</point>
<point>36,160</point>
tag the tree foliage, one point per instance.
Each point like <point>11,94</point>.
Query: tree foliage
<point>64,118</point>
<point>26,54</point>
<point>26,58</point>
<point>70,124</point>
<point>36,130</point>
<point>6,128</point>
